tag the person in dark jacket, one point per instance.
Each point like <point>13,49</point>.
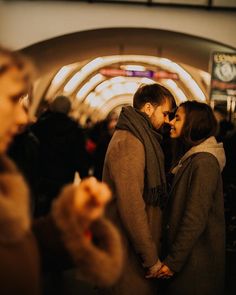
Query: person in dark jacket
<point>61,152</point>
<point>75,233</point>
<point>194,231</point>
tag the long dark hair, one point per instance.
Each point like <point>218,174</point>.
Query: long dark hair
<point>200,123</point>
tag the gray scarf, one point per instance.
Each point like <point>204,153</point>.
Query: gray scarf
<point>140,126</point>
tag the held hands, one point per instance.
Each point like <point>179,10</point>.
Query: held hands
<point>164,272</point>
<point>153,270</point>
<point>159,270</point>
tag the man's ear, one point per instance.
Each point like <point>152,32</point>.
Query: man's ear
<point>148,108</point>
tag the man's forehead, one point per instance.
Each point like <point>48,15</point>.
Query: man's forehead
<point>166,105</point>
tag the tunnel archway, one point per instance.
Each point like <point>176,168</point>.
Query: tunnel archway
<point>50,55</point>
<point>182,48</point>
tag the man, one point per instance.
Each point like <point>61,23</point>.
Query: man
<point>134,170</point>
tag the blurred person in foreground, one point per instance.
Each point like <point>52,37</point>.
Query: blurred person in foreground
<point>61,152</point>
<point>67,236</point>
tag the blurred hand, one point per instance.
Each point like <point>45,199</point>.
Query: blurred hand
<point>165,272</point>
<point>91,197</point>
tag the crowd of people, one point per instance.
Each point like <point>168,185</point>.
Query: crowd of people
<point>155,225</point>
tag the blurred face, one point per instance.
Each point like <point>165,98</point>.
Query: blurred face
<point>160,114</point>
<point>12,113</point>
<point>177,123</point>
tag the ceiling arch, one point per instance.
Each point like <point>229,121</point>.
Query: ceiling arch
<point>53,53</point>
<point>50,55</point>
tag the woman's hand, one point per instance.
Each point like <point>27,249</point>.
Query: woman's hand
<point>164,272</point>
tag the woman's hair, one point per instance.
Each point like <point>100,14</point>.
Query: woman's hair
<point>200,123</point>
<point>10,58</point>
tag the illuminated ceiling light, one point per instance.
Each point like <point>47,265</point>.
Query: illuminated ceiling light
<point>166,64</point>
<point>118,79</point>
<point>117,88</point>
<point>97,79</point>
<point>95,63</point>
<point>102,86</point>
<point>126,99</point>
<point>106,94</point>
<point>84,90</point>
<point>147,81</point>
<point>133,68</point>
<point>74,81</point>
<point>186,78</point>
<point>59,78</point>
<point>80,76</point>
<point>176,90</point>
<point>131,87</point>
<point>206,77</point>
<point>93,100</point>
<point>62,74</point>
<point>89,86</point>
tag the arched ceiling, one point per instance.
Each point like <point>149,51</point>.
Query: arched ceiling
<point>52,54</point>
<point>155,49</point>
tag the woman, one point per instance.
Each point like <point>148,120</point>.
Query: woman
<point>66,237</point>
<point>194,231</point>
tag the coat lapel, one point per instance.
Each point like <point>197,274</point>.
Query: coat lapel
<point>179,173</point>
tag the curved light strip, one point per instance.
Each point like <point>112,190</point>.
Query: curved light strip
<point>111,104</point>
<point>60,77</point>
<point>111,88</point>
<point>80,76</point>
<point>89,86</point>
<point>172,86</point>
<point>164,63</point>
<point>186,78</point>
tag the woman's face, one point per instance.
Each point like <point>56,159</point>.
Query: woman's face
<point>12,113</point>
<point>177,123</point>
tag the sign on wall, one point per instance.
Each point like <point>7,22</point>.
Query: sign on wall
<point>223,76</point>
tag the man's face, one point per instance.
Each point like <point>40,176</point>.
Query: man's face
<point>12,113</point>
<point>160,114</point>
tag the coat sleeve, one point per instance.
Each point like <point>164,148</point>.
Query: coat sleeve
<point>126,164</point>
<point>65,240</point>
<point>203,182</point>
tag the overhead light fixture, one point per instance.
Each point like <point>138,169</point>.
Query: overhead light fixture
<point>133,67</point>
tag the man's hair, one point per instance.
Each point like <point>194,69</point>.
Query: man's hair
<point>155,94</point>
<point>200,123</point>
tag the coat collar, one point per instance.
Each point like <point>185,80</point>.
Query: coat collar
<point>181,170</point>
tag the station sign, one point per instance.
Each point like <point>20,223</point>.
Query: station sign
<point>223,76</point>
<point>111,72</point>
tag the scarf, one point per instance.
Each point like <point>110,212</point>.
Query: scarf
<point>139,125</point>
<point>210,145</point>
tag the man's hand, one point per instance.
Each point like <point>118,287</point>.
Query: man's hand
<point>164,272</point>
<point>153,270</point>
<point>90,199</point>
